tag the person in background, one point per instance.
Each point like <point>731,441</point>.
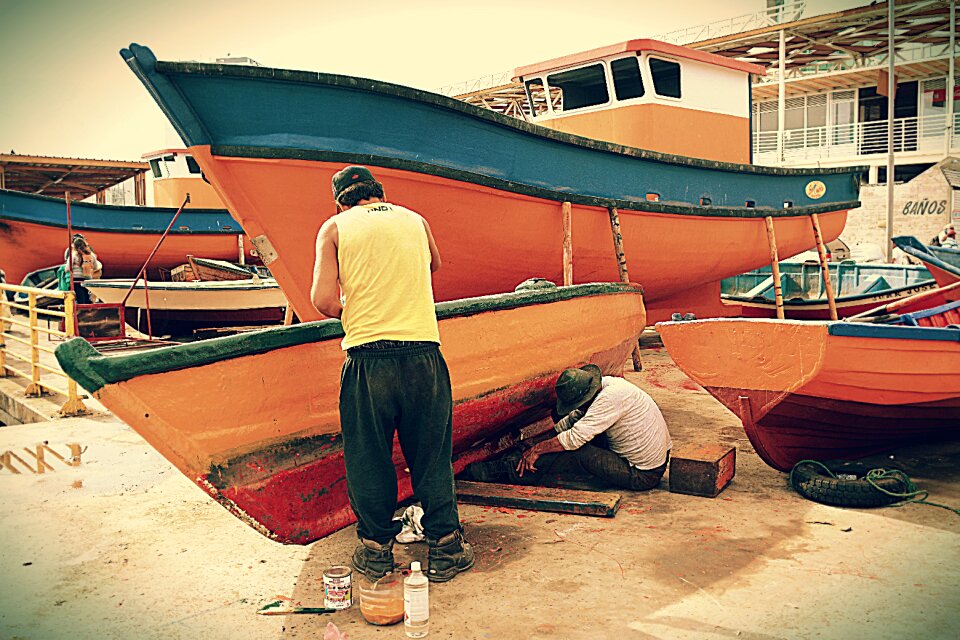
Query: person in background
<point>394,379</point>
<point>947,234</point>
<point>83,262</point>
<point>950,238</point>
<point>611,429</point>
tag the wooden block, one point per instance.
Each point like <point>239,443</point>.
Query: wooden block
<point>702,470</point>
<point>584,503</point>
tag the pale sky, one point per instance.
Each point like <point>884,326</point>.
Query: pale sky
<point>65,91</point>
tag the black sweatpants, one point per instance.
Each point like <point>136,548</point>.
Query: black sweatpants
<point>604,464</point>
<point>403,389</point>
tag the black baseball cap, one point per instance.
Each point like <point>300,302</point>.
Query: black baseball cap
<point>349,176</point>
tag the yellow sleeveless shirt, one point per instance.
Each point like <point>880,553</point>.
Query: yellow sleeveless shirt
<point>384,259</point>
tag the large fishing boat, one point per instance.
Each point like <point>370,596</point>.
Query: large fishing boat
<point>494,188</point>
<point>237,416</point>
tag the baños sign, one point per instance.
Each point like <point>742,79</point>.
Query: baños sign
<point>924,207</point>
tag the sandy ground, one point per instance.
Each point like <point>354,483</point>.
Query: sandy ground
<point>124,546</point>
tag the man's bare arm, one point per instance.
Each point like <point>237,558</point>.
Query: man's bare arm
<point>434,252</point>
<point>325,292</point>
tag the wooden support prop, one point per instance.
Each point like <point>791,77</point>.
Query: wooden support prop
<point>288,315</point>
<point>824,267</point>
<point>7,457</point>
<point>702,470</point>
<point>584,503</point>
<point>75,452</point>
<point>624,275</point>
<point>775,266</point>
<point>5,462</point>
<point>567,244</point>
<point>42,465</point>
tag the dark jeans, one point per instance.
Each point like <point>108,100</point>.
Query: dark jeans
<point>403,389</point>
<point>82,294</point>
<point>606,465</point>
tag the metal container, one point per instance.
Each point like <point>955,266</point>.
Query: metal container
<point>337,587</point>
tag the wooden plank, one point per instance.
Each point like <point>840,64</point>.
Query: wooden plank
<point>584,503</point>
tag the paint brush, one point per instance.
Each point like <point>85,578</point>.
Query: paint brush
<point>282,608</point>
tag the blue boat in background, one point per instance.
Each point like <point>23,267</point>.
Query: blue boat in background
<point>858,287</point>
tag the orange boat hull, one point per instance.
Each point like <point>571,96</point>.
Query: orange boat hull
<point>491,239</point>
<point>26,247</point>
<point>237,416</point>
<point>818,390</point>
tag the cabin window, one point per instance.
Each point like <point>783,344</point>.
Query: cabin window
<point>666,77</point>
<point>155,167</point>
<point>580,88</point>
<point>627,82</point>
<point>192,165</point>
<point>536,97</point>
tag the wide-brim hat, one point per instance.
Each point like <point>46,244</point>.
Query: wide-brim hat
<point>349,176</point>
<point>576,387</point>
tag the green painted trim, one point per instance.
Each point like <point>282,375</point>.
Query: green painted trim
<point>93,371</point>
<point>386,88</point>
<point>523,189</point>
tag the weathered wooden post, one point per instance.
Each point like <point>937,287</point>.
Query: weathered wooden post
<point>824,267</point>
<point>622,268</point>
<point>775,266</point>
<point>567,244</point>
<point>34,388</point>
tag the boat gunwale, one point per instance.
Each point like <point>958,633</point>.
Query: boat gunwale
<point>113,209</point>
<point>403,164</point>
<point>92,370</point>
<point>163,67</point>
<point>190,285</point>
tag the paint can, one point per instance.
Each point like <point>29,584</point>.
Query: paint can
<point>337,587</point>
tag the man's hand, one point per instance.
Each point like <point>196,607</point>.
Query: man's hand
<point>529,459</point>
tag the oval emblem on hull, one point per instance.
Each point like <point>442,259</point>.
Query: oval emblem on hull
<point>815,189</point>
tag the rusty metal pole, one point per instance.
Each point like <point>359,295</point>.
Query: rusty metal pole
<point>775,266</point>
<point>824,267</point>
<point>567,244</point>
<point>622,268</point>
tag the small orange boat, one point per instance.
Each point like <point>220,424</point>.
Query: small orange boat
<point>33,235</point>
<point>827,390</point>
<point>237,416</point>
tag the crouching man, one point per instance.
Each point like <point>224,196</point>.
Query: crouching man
<point>637,441</point>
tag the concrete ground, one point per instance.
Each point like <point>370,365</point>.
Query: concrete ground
<point>124,546</point>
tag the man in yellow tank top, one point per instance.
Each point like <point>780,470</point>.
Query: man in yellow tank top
<point>394,379</point>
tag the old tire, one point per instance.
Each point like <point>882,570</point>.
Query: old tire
<point>814,483</point>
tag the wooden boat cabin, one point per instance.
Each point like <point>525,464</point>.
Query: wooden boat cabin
<point>175,173</point>
<point>647,94</point>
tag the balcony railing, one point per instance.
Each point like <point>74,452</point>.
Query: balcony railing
<point>852,141</point>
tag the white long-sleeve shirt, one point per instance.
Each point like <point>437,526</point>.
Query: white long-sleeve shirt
<point>633,423</point>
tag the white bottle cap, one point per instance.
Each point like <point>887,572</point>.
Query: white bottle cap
<point>414,566</point>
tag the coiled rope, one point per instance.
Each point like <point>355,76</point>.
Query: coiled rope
<point>913,493</point>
